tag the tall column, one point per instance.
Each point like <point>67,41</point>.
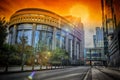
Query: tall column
<point>60,39</point>
<point>33,42</point>
<point>33,33</point>
<point>79,51</point>
<point>71,49</point>
<point>77,44</point>
<point>66,42</point>
<point>14,34</point>
<point>75,55</point>
<point>54,39</point>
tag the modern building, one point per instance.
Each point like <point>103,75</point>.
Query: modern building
<point>115,44</point>
<point>95,56</point>
<point>79,29</point>
<point>111,24</point>
<point>108,22</point>
<point>98,38</point>
<point>48,28</point>
<point>114,48</point>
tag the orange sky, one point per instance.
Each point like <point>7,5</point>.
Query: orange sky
<point>88,10</point>
<point>61,7</point>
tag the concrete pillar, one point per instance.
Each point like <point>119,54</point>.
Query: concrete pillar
<point>14,34</point>
<point>75,54</point>
<point>66,42</point>
<point>54,39</point>
<point>71,48</point>
<point>33,33</point>
<point>79,50</point>
<point>60,39</point>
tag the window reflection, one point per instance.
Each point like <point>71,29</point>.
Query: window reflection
<point>63,34</point>
<point>43,36</point>
<point>49,40</point>
<point>37,37</point>
<point>11,34</point>
<point>58,37</point>
<point>28,34</point>
<point>26,31</point>
<point>19,35</point>
<point>63,42</point>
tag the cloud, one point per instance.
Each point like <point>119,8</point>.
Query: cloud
<point>61,7</point>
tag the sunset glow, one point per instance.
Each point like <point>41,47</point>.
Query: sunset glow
<point>80,11</point>
<point>88,10</point>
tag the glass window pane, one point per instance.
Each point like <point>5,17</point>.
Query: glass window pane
<point>11,35</point>
<point>49,40</point>
<point>57,40</point>
<point>24,26</point>
<point>58,32</point>
<point>63,42</point>
<point>19,35</point>
<point>39,27</point>
<point>50,29</point>
<point>44,27</point>
<point>28,34</point>
<point>37,37</point>
<point>43,36</point>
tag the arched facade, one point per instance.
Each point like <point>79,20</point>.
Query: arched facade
<point>40,25</point>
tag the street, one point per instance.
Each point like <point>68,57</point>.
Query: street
<point>74,73</point>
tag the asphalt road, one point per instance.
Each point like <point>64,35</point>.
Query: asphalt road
<point>74,73</point>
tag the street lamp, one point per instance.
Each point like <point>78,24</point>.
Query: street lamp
<point>90,59</point>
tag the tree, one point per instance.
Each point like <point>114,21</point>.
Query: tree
<point>42,51</point>
<point>9,55</point>
<point>3,31</point>
<point>26,51</point>
<point>58,56</point>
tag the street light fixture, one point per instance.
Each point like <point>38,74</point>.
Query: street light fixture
<point>90,58</point>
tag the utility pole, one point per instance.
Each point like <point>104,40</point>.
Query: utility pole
<point>90,59</point>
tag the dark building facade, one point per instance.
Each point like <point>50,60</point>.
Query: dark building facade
<point>111,21</point>
<point>46,27</point>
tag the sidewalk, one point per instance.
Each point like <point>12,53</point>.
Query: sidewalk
<point>110,72</point>
<point>27,68</point>
<point>98,75</point>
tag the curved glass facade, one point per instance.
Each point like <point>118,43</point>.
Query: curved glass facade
<point>49,29</point>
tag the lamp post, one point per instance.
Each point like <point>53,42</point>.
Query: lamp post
<point>23,46</point>
<point>90,59</point>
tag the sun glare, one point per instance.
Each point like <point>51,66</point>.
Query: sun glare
<point>80,11</point>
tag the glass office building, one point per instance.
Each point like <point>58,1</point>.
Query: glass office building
<point>52,30</point>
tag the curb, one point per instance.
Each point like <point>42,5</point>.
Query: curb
<point>87,75</point>
<point>9,72</point>
<point>110,75</point>
<point>27,71</point>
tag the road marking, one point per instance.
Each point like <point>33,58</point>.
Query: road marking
<point>65,76</point>
<point>87,75</point>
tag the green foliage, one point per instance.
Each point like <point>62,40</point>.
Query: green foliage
<point>26,51</point>
<point>58,55</point>
<point>9,55</point>
<point>43,53</point>
<point>43,58</point>
<point>3,31</point>
<point>26,54</point>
